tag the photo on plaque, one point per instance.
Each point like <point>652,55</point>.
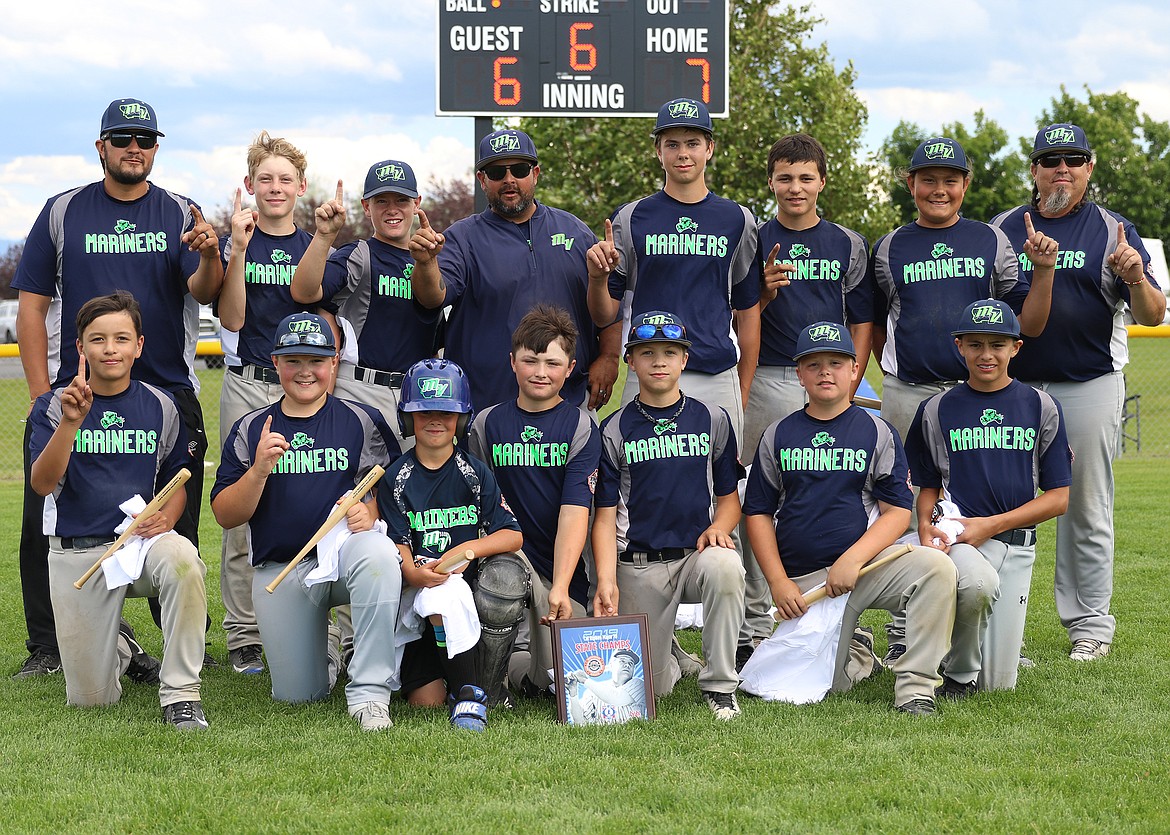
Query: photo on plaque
<point>603,672</point>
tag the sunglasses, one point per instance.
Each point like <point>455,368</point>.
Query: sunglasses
<point>287,340</point>
<point>668,331</point>
<point>519,170</point>
<point>145,141</point>
<point>1071,160</point>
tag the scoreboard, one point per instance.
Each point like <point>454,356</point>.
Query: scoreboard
<point>580,57</point>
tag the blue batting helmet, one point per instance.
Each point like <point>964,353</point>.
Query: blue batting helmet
<point>434,385</point>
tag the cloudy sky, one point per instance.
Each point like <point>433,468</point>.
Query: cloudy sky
<point>353,83</point>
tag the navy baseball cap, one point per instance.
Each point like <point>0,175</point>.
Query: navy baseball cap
<point>657,326</point>
<point>989,316</point>
<point>505,144</point>
<point>390,175</point>
<point>824,336</point>
<point>304,334</point>
<point>939,152</point>
<point>1060,137</point>
<point>683,113</point>
<point>130,114</point>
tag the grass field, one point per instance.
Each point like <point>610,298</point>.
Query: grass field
<point>1075,748</point>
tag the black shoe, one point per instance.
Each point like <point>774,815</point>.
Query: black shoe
<point>743,654</point>
<point>209,662</point>
<point>918,707</point>
<point>724,705</point>
<point>895,652</point>
<point>186,716</point>
<point>529,690</point>
<point>951,689</point>
<point>40,663</point>
<point>143,667</point>
<point>247,659</point>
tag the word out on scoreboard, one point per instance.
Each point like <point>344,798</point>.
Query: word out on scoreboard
<point>580,57</point>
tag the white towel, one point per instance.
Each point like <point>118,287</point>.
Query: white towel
<point>796,664</point>
<point>329,551</point>
<point>454,603</point>
<point>124,566</point>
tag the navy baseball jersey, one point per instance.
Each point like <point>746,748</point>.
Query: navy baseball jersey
<point>821,480</point>
<point>828,285</point>
<point>1085,336</point>
<point>989,451</point>
<point>368,282</point>
<point>269,264</point>
<point>328,454</point>
<point>542,461</point>
<point>495,272</point>
<point>86,244</point>
<point>129,443</point>
<point>697,260</point>
<point>431,510</point>
<point>662,473</point>
<point>923,278</point>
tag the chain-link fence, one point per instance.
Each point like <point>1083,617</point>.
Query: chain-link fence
<point>1145,430</point>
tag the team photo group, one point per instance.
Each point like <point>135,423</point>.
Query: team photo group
<point>415,485</point>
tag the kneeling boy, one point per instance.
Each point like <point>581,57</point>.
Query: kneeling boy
<point>93,445</point>
<point>284,467</point>
<point>663,457</point>
<point>828,492</point>
<point>988,445</point>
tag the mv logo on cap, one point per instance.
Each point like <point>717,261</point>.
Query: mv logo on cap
<point>941,250</point>
<point>1059,136</point>
<point>657,320</point>
<point>301,440</point>
<point>987,315</point>
<point>505,142</point>
<point>304,326</point>
<point>112,419</point>
<point>135,110</point>
<point>939,150</point>
<point>434,388</point>
<point>280,256</point>
<point>822,333</point>
<point>123,226</point>
<point>684,110</point>
<point>390,172</point>
<point>685,224</point>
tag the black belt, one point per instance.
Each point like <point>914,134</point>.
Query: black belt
<point>81,543</point>
<point>663,555</point>
<point>390,379</point>
<point>1017,536</point>
<point>258,372</point>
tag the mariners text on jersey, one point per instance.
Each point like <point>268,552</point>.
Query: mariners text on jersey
<point>443,517</point>
<point>667,446</point>
<point>815,269</point>
<point>126,242</point>
<point>824,459</point>
<point>324,460</point>
<point>684,244</point>
<point>397,286</point>
<point>944,268</point>
<point>992,437</point>
<point>130,441</point>
<point>1065,260</point>
<point>530,455</point>
<point>281,274</point>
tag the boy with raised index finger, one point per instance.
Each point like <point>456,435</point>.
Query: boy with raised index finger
<point>666,460</point>
<point>989,445</point>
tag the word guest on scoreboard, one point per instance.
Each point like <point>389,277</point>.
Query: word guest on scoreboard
<point>580,57</point>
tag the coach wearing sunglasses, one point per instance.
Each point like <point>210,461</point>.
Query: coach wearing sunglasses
<point>1078,359</point>
<point>120,233</point>
<point>495,266</point>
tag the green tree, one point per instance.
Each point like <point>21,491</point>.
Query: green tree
<point>998,175</point>
<point>1133,155</point>
<point>780,82</point>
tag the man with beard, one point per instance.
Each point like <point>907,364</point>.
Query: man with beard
<point>498,265</point>
<point>120,233</point>
<point>1078,359</point>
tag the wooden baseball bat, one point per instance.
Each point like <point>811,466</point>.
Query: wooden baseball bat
<point>821,593</point>
<point>867,402</point>
<point>453,562</point>
<point>353,497</point>
<point>152,508</point>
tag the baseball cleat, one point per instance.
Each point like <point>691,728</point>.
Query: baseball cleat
<point>186,716</point>
<point>918,707</point>
<point>143,668</point>
<point>372,716</point>
<point>724,705</point>
<point>40,663</point>
<point>246,659</point>
<point>470,711</point>
<point>688,663</point>
<point>1088,649</point>
<point>743,654</point>
<point>895,652</point>
<point>951,689</point>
